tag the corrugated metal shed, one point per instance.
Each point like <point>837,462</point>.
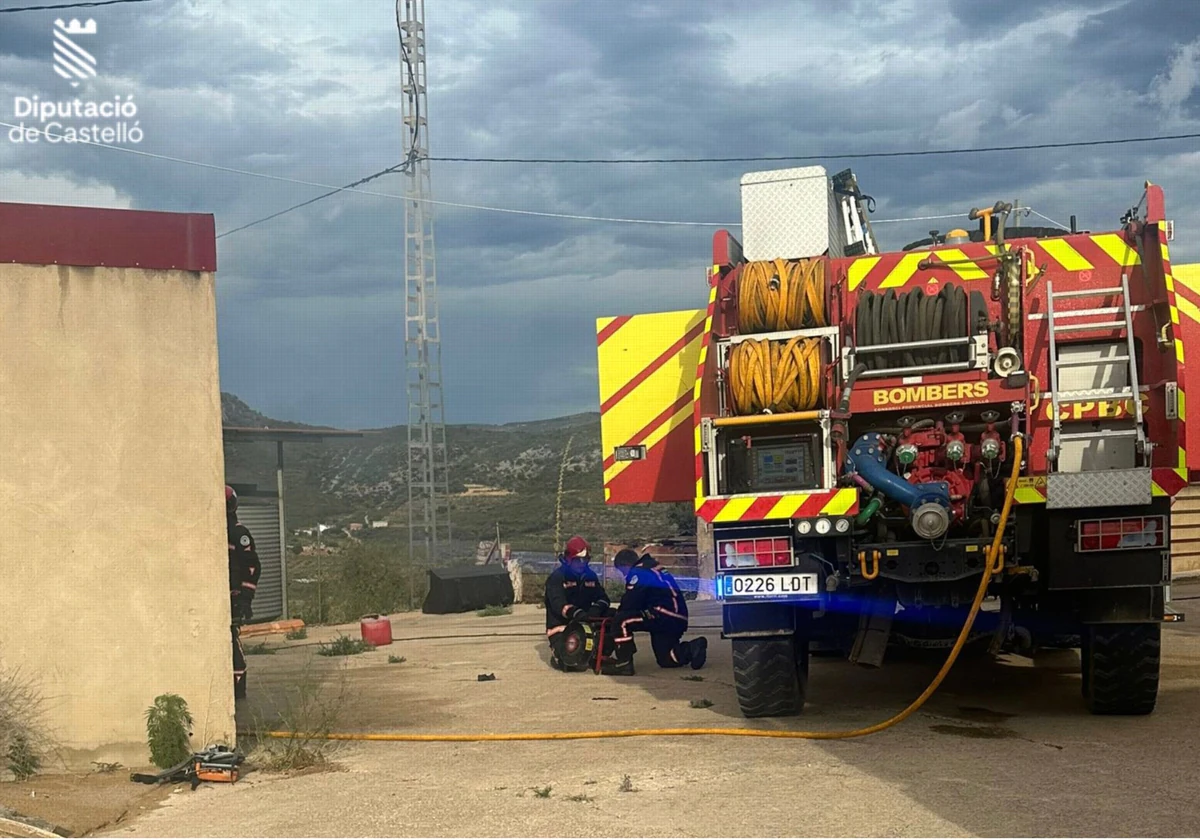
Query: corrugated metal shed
<point>261,516</point>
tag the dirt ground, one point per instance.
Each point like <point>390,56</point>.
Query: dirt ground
<point>1004,748</point>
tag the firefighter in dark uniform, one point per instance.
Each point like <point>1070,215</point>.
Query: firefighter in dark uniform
<point>244,570</point>
<point>573,593</point>
<point>654,603</point>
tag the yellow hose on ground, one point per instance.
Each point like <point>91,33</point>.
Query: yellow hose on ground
<point>777,295</point>
<point>775,376</point>
<point>993,553</point>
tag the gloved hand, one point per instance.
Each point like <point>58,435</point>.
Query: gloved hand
<point>597,611</point>
<point>577,615</point>
<point>648,615</point>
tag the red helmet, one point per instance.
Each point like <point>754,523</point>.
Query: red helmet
<point>230,499</point>
<point>577,548</point>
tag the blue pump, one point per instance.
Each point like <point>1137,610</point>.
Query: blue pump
<point>868,457</point>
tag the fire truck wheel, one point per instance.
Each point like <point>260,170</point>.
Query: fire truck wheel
<point>1120,668</point>
<point>771,676</point>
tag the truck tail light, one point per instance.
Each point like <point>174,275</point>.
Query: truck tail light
<point>1123,534</point>
<point>754,552</point>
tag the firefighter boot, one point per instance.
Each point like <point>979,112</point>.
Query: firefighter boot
<point>699,650</point>
<point>618,667</point>
<point>621,663</point>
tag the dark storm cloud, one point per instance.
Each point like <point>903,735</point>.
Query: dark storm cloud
<point>311,304</point>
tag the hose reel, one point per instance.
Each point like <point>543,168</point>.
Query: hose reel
<point>775,376</point>
<point>781,295</point>
<point>915,318</point>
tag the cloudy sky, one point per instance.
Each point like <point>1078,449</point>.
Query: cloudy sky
<point>311,304</point>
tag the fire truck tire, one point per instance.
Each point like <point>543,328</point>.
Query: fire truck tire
<point>1121,668</point>
<point>770,676</point>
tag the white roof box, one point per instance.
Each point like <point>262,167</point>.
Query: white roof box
<point>790,214</point>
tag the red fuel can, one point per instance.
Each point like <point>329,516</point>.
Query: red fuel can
<point>376,630</point>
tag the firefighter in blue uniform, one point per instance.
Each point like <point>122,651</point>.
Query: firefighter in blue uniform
<point>244,571</point>
<point>573,593</point>
<point>654,603</point>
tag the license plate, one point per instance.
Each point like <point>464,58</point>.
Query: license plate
<point>787,585</point>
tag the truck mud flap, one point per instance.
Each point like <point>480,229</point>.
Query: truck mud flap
<point>758,619</point>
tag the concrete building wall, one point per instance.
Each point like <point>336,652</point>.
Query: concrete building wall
<point>113,562</point>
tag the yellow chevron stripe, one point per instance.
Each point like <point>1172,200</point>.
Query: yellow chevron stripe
<point>1179,350</point>
<point>965,271</point>
<point>1121,251</point>
<point>842,501</point>
<point>1188,275</point>
<point>1155,490</point>
<point>1187,307</point>
<point>1028,496</point>
<point>1065,255</point>
<point>1182,471</point>
<point>859,269</point>
<point>1182,412</point>
<point>607,495</point>
<point>651,440</point>
<point>785,507</point>
<point>733,511</point>
<point>1175,315</point>
<point>904,270</point>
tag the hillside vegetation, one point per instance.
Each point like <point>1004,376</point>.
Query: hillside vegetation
<point>498,474</point>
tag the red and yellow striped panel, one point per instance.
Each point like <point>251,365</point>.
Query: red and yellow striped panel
<point>787,506</point>
<point>972,263</point>
<point>646,367</point>
<point>1164,481</point>
<point>1181,465</point>
<point>705,340</point>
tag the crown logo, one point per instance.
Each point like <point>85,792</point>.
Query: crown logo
<point>77,28</point>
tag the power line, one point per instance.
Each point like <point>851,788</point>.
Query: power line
<point>353,188</point>
<point>347,188</point>
<point>89,5</point>
<point>1077,144</point>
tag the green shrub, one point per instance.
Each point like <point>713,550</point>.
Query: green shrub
<point>260,649</point>
<point>297,634</point>
<point>168,723</point>
<point>344,646</point>
<point>23,760</point>
<point>492,610</point>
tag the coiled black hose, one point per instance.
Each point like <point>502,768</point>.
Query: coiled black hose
<point>913,317</point>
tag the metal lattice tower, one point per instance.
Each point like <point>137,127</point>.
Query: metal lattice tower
<point>428,482</point>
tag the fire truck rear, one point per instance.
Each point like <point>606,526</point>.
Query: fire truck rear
<point>848,422</point>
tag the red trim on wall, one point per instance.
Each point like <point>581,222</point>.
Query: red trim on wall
<point>43,234</point>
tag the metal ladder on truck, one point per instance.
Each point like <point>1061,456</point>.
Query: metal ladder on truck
<point>1122,319</point>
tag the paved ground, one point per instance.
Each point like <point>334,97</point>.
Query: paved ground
<point>1004,749</point>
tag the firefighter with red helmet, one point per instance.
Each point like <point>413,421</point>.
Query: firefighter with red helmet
<point>244,570</point>
<point>573,593</point>
<point>654,603</point>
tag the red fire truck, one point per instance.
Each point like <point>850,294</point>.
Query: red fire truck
<point>876,438</point>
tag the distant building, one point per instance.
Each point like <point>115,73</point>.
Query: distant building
<point>356,526</point>
<point>379,524</point>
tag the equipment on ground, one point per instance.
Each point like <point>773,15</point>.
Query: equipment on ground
<point>460,589</point>
<point>215,764</point>
<point>881,441</point>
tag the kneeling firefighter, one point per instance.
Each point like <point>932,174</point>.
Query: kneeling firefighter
<point>574,595</point>
<point>654,603</point>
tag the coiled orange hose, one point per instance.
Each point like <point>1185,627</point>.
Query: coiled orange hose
<point>778,295</point>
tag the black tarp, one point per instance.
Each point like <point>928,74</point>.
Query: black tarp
<point>465,588</point>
